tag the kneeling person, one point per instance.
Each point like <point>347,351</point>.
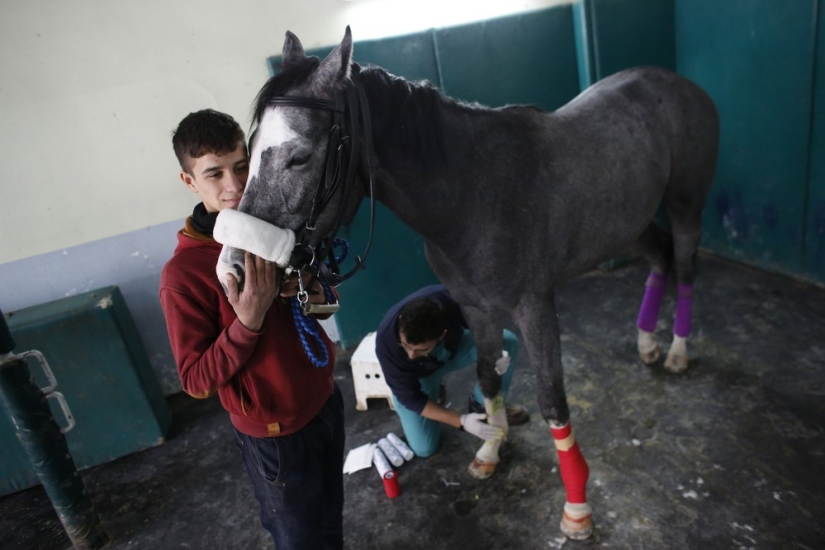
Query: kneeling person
<point>421,339</point>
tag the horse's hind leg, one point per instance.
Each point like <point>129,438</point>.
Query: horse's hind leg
<point>684,200</point>
<point>685,243</point>
<point>540,332</point>
<point>655,245</point>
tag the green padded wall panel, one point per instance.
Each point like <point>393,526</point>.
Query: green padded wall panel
<point>612,35</point>
<point>815,230</point>
<point>755,58</point>
<point>101,367</point>
<point>526,58</point>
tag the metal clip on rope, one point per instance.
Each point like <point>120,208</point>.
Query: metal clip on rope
<point>310,309</point>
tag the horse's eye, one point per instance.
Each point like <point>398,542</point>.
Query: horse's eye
<point>298,160</point>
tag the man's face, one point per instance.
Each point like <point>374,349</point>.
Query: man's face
<point>414,351</point>
<point>219,180</point>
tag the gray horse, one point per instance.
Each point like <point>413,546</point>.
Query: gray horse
<point>510,202</point>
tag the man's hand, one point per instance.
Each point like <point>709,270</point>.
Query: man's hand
<point>503,363</point>
<point>315,295</point>
<point>474,424</point>
<point>252,303</point>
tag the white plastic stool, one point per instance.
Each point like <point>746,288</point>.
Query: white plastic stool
<point>367,376</point>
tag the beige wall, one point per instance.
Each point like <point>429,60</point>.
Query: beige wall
<point>90,91</point>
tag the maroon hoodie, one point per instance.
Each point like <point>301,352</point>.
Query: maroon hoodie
<point>264,379</point>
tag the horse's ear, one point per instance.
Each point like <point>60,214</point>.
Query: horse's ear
<point>335,68</point>
<point>293,50</point>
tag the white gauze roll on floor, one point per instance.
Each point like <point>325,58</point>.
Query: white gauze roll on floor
<point>239,230</point>
<point>400,446</point>
<point>380,462</point>
<point>392,454</point>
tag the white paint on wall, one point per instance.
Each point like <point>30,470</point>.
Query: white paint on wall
<point>90,91</point>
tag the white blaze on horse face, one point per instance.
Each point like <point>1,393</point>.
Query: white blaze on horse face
<point>273,131</point>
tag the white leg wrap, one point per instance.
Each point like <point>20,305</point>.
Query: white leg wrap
<point>496,416</point>
<point>577,510</point>
<point>489,452</point>
<point>496,413</point>
<point>246,232</point>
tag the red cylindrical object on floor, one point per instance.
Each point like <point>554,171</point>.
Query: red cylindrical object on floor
<point>391,485</point>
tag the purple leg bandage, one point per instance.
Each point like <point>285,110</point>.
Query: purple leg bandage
<point>649,312</point>
<point>681,326</point>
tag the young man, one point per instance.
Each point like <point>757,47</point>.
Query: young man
<point>243,344</point>
<point>421,339</point>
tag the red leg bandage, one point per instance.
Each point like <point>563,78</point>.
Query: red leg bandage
<point>572,465</point>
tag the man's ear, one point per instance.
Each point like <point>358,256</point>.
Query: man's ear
<point>188,181</point>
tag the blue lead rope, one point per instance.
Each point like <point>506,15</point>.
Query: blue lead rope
<point>309,330</point>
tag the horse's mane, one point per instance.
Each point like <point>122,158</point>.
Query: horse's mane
<point>407,115</point>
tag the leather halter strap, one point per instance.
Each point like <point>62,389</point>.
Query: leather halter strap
<point>339,168</point>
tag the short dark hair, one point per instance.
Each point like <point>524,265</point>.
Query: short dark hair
<point>204,132</point>
<point>422,320</point>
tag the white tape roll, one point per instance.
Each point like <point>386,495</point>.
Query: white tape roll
<point>380,462</point>
<point>400,446</point>
<point>391,452</point>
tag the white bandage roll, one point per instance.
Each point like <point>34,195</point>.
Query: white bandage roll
<point>239,230</point>
<point>380,462</point>
<point>400,446</point>
<point>392,454</point>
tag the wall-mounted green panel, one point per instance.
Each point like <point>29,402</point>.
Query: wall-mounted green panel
<point>101,367</point>
<point>612,35</point>
<point>411,56</point>
<point>755,58</point>
<point>815,229</point>
<point>526,58</point>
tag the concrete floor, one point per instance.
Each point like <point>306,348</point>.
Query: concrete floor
<point>727,455</point>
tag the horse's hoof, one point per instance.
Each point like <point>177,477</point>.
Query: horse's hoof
<point>481,470</point>
<point>676,363</point>
<point>517,415</point>
<point>577,528</point>
<point>648,347</point>
<point>650,357</point>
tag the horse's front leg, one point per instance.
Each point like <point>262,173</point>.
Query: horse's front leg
<point>487,335</point>
<point>540,332</point>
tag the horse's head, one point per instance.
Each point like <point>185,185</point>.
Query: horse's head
<point>290,182</point>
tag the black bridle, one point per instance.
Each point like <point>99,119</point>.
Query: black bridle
<point>343,150</point>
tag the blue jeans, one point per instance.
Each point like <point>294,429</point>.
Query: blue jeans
<point>423,435</point>
<point>299,482</point>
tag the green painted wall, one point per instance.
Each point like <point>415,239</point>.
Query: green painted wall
<point>756,59</point>
<point>527,58</point>
<point>814,253</point>
<point>612,35</point>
